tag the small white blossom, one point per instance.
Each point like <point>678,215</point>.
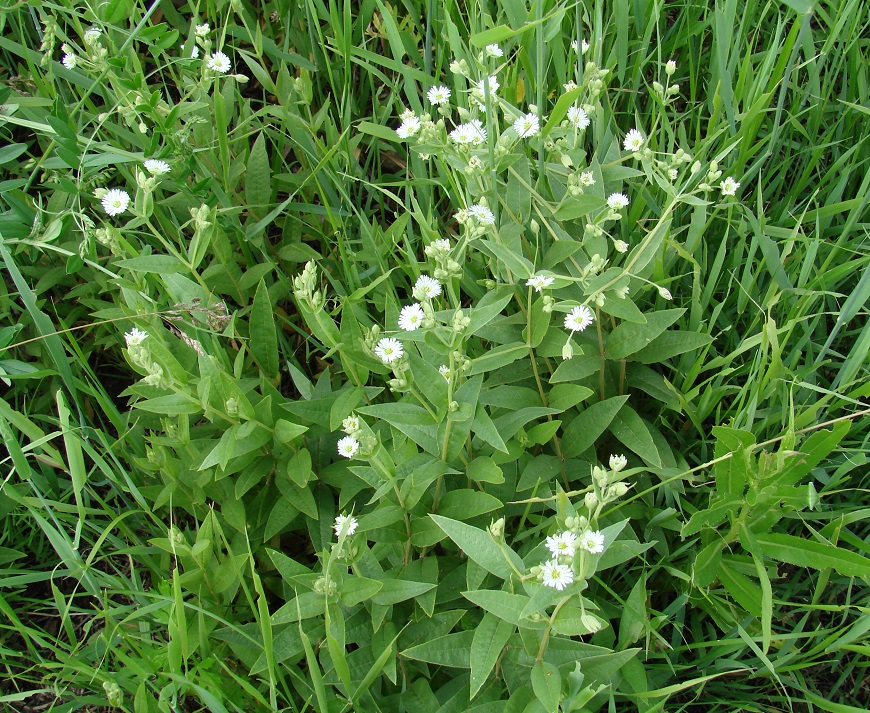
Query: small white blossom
<point>617,463</point>
<point>729,187</point>
<point>562,545</point>
<point>92,35</point>
<point>587,178</point>
<point>69,60</point>
<point>578,117</point>
<point>115,201</point>
<point>539,282</point>
<point>472,132</point>
<point>218,62</point>
<point>438,247</point>
<point>194,51</point>
<point>578,318</point>
<point>670,67</point>
<point>411,317</point>
<point>156,167</point>
<point>444,370</point>
<point>570,86</point>
<point>493,86</point>
<point>407,114</point>
<point>494,51</point>
<point>350,425</point>
<point>556,575</point>
<point>426,288</point>
<point>481,214</point>
<point>592,541</point>
<point>389,350</point>
<point>527,125</point>
<point>348,446</point>
<point>620,246</point>
<point>615,201</point>
<point>348,524</point>
<point>135,337</point>
<point>439,95</point>
<point>409,127</point>
<point>633,140</point>
<point>584,46</point>
<point>202,30</point>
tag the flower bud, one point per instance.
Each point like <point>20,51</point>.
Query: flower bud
<point>617,490</point>
<point>590,623</point>
<point>670,67</point>
<point>620,246</point>
<point>664,293</point>
<point>617,463</point>
<point>590,501</point>
<point>568,351</point>
<point>496,528</point>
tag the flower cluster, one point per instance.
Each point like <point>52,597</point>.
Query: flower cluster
<point>559,571</point>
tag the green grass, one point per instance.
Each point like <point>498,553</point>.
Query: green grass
<point>124,563</point>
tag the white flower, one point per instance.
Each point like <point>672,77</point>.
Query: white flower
<point>407,114</point>
<point>481,214</point>
<point>617,463</point>
<point>615,201</point>
<point>570,86</point>
<point>115,201</point>
<point>539,282</point>
<point>194,51</point>
<point>493,86</point>
<point>135,337</point>
<point>411,317</point>
<point>439,95</point>
<point>202,30</point>
<point>426,288</point>
<point>218,62</point>
<point>578,318</point>
<point>409,127</point>
<point>729,187</point>
<point>620,246</point>
<point>556,575</point>
<point>587,178</point>
<point>584,46</point>
<point>444,370</point>
<point>389,350</point>
<point>592,541</point>
<point>562,545</point>
<point>69,60</point>
<point>92,35</point>
<point>527,125</point>
<point>156,167</point>
<point>343,522</point>
<point>670,67</point>
<point>578,117</point>
<point>348,446</point>
<point>633,140</point>
<point>673,174</point>
<point>494,51</point>
<point>472,132</point>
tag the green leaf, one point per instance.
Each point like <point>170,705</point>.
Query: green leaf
<point>578,206</point>
<point>812,452</point>
<point>464,504</point>
<point>490,638</point>
<point>398,590</point>
<point>518,265</point>
<point>480,547</point>
<point>504,605</point>
<point>813,555</point>
<point>711,516</point>
<point>483,470</point>
<point>742,589</point>
<point>153,263</point>
<point>629,337</point>
<point>489,307</point>
<point>633,432</point>
<point>540,323</point>
<point>585,429</point>
<point>669,344</point>
<point>576,369</point>
<point>264,336</point>
<point>706,566</point>
<point>547,684</point>
<point>286,431</point>
<point>634,617</point>
<point>345,403</point>
<point>171,405</point>
<point>258,176</point>
<point>496,358</point>
<point>733,473</point>
<point>564,396</point>
<point>452,650</point>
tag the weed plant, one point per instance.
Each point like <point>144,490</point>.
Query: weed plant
<point>434,356</point>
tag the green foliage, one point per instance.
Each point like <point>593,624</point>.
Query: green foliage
<point>330,412</point>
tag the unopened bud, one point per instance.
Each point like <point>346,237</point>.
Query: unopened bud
<point>617,463</point>
<point>590,501</point>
